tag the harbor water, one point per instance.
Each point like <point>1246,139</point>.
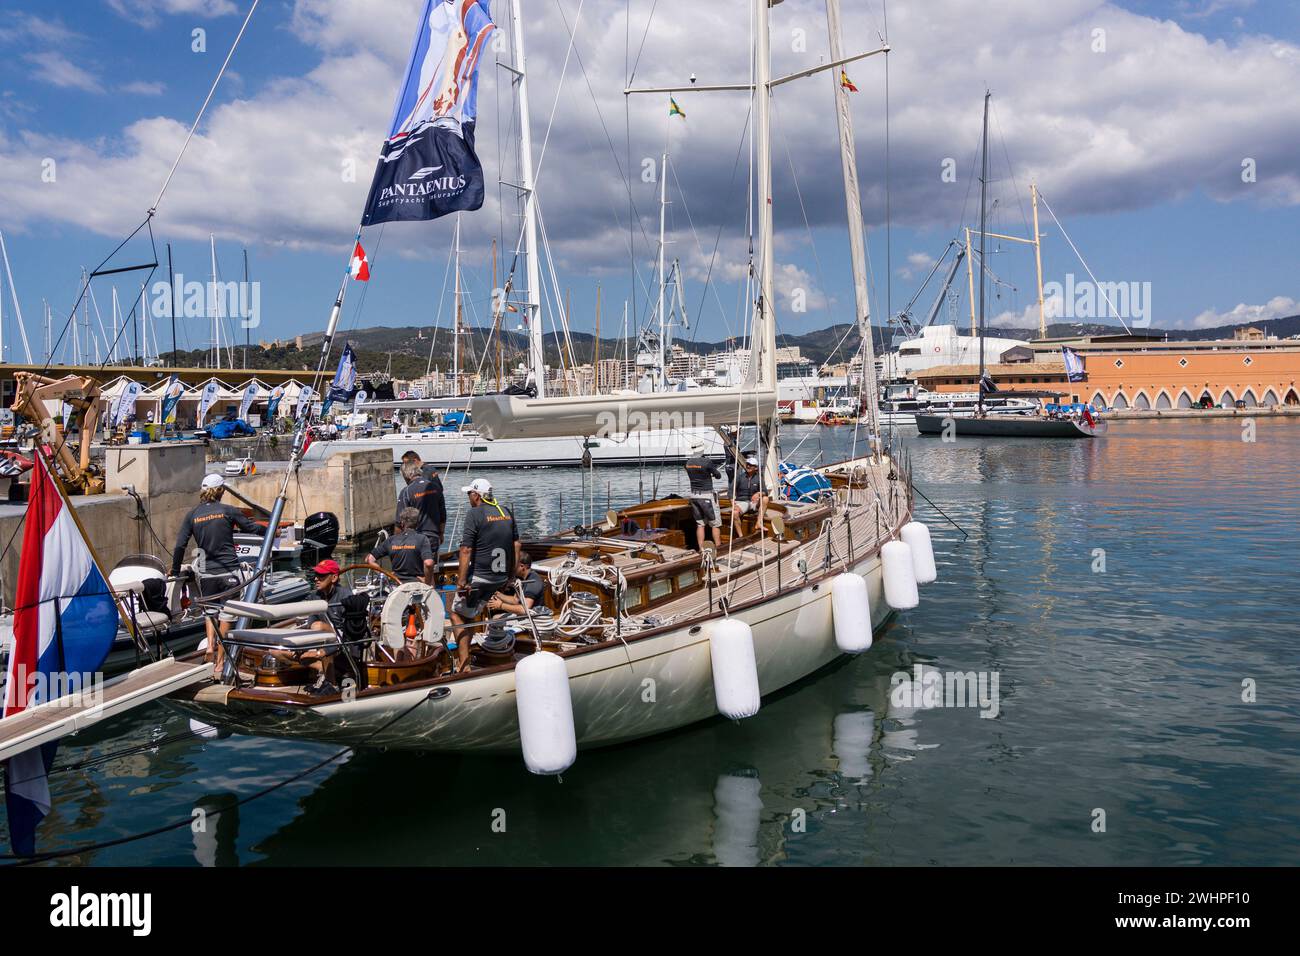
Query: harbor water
<point>1125,604</point>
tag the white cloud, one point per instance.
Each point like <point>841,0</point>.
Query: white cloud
<point>1099,132</point>
<point>144,88</point>
<point>54,68</point>
<point>149,13</point>
<point>917,263</point>
<point>1280,306</point>
<point>27,26</point>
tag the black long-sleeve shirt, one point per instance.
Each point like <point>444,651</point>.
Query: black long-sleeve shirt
<point>212,525</point>
<point>425,496</point>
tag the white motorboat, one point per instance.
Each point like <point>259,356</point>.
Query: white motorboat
<point>469,447</point>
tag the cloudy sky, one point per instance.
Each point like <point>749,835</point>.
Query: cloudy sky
<point>1164,134</point>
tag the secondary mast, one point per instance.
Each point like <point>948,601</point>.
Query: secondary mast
<point>984,183</point>
<point>532,305</point>
<point>853,202</point>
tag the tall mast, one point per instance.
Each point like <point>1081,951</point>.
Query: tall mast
<point>764,341</point>
<point>662,384</point>
<point>112,352</point>
<point>13,297</point>
<point>857,251</point>
<point>216,324</point>
<point>984,184</point>
<point>248,329</point>
<point>455,334</point>
<point>171,299</point>
<point>500,317</point>
<point>1038,261</point>
<point>532,306</point>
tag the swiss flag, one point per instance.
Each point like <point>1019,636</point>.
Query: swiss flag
<point>360,264</point>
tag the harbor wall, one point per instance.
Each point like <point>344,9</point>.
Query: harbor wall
<point>357,486</point>
<point>1258,411</point>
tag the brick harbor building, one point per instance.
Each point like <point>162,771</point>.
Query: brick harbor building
<point>1134,371</point>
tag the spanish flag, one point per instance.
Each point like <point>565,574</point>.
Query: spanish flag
<point>846,82</point>
<point>674,109</point>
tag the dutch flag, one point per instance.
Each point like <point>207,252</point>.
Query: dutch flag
<point>65,620</point>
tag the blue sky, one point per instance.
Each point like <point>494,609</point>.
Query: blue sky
<point>1135,150</point>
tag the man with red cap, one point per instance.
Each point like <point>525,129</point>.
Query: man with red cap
<point>333,591</point>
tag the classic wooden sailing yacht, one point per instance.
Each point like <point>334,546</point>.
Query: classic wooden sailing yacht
<point>637,632</point>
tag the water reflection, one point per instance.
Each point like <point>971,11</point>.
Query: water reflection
<point>1120,689</point>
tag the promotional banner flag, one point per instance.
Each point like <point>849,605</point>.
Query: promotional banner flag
<point>427,167</point>
<point>344,385</point>
<point>250,396</point>
<point>206,399</point>
<point>305,398</point>
<point>125,403</point>
<point>273,403</point>
<point>171,399</point>
<point>1074,367</point>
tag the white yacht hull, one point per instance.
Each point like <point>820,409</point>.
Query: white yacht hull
<point>469,448</point>
<point>620,693</point>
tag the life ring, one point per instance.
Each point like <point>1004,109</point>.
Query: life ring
<point>394,621</point>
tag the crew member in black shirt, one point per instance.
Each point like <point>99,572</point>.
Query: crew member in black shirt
<point>489,555</point>
<point>423,492</point>
<point>701,470</point>
<point>534,588</point>
<point>212,526</point>
<point>408,551</point>
<point>750,493</point>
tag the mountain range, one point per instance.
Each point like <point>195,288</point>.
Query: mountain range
<point>407,352</point>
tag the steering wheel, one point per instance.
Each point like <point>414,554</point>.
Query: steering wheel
<point>370,568</point>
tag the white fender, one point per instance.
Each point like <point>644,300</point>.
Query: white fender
<point>735,669</point>
<point>900,576</point>
<point>545,707</point>
<point>917,537</point>
<point>851,613</point>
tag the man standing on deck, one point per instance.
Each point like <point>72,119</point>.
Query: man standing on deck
<point>408,551</point>
<point>423,492</point>
<point>702,470</point>
<point>212,526</point>
<point>489,557</point>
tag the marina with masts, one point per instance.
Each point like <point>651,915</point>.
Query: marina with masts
<point>492,539</point>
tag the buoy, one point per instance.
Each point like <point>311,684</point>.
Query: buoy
<point>851,613</point>
<point>917,537</point>
<point>900,576</point>
<point>735,669</point>
<point>545,708</point>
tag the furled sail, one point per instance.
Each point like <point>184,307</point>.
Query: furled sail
<point>515,416</point>
<point>428,167</point>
